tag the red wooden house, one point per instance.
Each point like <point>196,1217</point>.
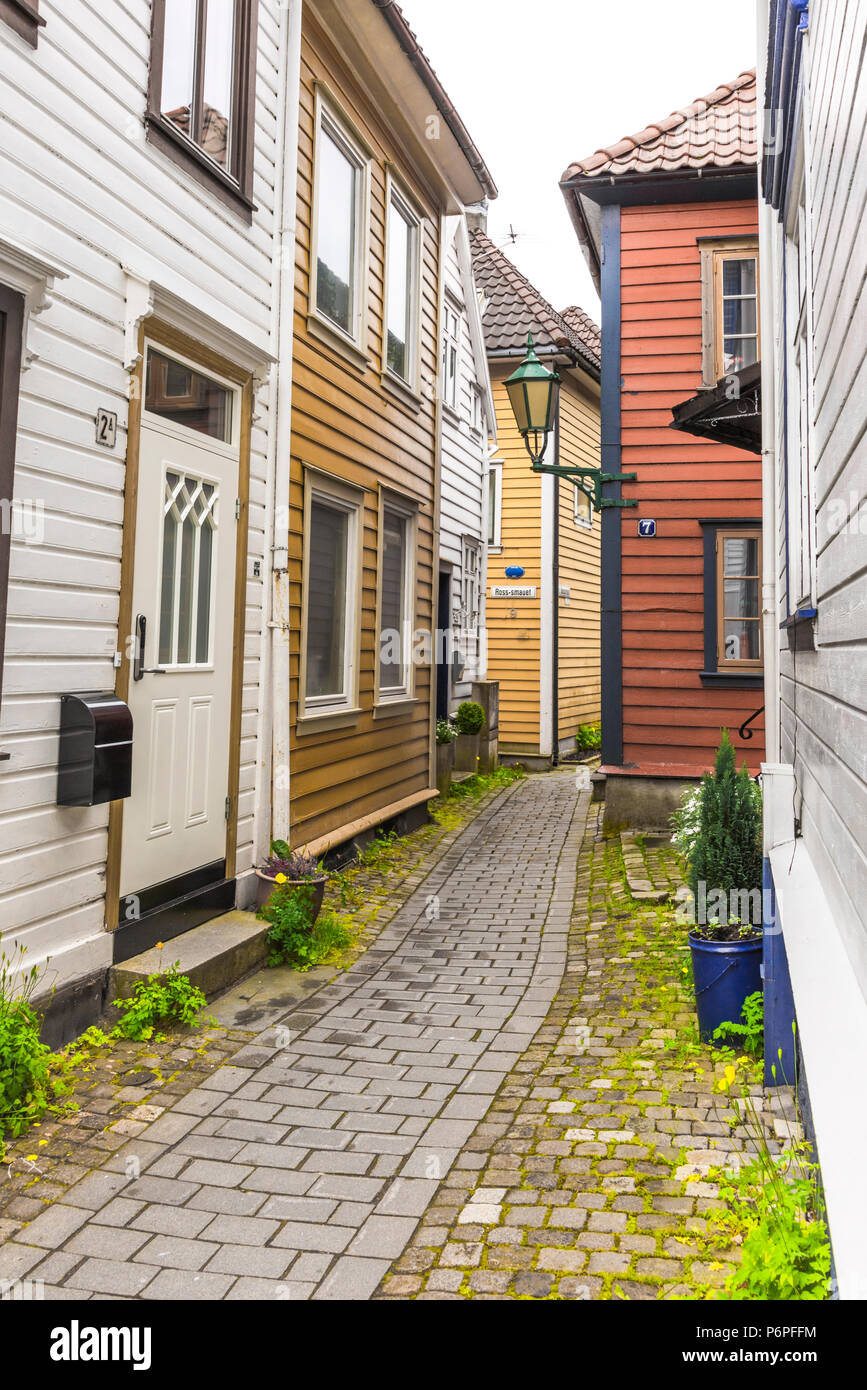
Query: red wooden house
<point>668,223</point>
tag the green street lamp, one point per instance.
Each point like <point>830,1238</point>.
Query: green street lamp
<point>533,392</point>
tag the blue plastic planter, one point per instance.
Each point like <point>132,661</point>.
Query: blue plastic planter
<point>725,973</point>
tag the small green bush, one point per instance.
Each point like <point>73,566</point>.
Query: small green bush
<point>727,852</point>
<point>29,1087</point>
<point>470,718</point>
<point>164,998</point>
<point>294,938</point>
<point>588,738</point>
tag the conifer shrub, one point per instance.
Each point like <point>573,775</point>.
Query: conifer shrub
<point>726,855</point>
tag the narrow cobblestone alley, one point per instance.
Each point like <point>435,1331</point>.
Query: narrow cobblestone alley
<point>301,1168</point>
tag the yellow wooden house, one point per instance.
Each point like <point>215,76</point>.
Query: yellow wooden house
<point>544,537</point>
<point>374,188</point>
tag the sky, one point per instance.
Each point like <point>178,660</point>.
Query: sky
<point>541,83</point>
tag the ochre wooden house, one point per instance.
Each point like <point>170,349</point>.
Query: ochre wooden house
<point>372,192</point>
<point>542,624</point>
<point>668,223</point>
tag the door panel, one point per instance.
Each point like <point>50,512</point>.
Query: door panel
<point>183,585</point>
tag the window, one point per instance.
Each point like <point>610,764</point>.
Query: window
<point>730,307</point>
<point>451,354</point>
<point>475,408</point>
<point>23,17</point>
<point>339,229</point>
<point>177,392</point>
<point>739,591</point>
<point>402,298</point>
<point>332,585</point>
<point>187,570</point>
<point>396,598</point>
<point>11,329</point>
<point>583,508</point>
<point>470,584</point>
<point>800,500</point>
<point>495,505</point>
<point>202,90</point>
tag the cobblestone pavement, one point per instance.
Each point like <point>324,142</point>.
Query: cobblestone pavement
<point>301,1166</point>
<point>591,1175</point>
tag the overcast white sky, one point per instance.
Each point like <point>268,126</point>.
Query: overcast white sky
<point>540,83</point>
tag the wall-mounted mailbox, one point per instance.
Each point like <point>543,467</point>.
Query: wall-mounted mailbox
<point>95,749</point>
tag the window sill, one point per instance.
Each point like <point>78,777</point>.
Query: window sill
<point>452,414</point>
<point>405,393</point>
<point>307,724</point>
<point>748,680</point>
<point>330,336</point>
<point>181,152</point>
<point>22,19</point>
<point>391,709</point>
<point>801,630</point>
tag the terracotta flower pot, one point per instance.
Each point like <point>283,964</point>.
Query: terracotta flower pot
<point>266,885</point>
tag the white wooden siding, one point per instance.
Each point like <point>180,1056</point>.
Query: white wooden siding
<point>80,186</point>
<point>824,693</point>
<point>464,466</point>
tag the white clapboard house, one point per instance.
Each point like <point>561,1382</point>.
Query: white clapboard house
<point>814,332</point>
<point>146,183</point>
<point>468,435</point>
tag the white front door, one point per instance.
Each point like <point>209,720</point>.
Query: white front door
<point>174,822</point>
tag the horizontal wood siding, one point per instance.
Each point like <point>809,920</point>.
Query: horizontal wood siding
<point>580,549</point>
<point>81,186</point>
<point>824,693</point>
<point>669,717</point>
<point>346,422</point>
<point>514,642</point>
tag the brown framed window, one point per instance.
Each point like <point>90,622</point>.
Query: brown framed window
<point>11,327</point>
<point>23,16</point>
<point>739,599</point>
<point>201,94</point>
<point>730,306</point>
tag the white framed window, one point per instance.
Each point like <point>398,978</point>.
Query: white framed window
<point>396,598</point>
<point>338,258</point>
<point>583,508</point>
<point>471,589</point>
<point>404,232</point>
<point>451,353</point>
<point>332,594</point>
<point>495,505</point>
<point>475,408</point>
<point>800,503</point>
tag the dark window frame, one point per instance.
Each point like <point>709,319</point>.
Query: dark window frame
<point>716,673</point>
<point>11,346</point>
<point>23,16</point>
<point>234,187</point>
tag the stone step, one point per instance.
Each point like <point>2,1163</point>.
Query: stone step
<point>214,955</point>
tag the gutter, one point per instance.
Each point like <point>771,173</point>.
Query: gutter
<point>409,43</point>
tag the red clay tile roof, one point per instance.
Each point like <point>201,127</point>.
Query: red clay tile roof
<point>513,308</point>
<point>715,131</point>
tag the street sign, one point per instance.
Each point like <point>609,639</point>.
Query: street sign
<point>513,591</point>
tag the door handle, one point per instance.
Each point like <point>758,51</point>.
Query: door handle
<point>138,667</point>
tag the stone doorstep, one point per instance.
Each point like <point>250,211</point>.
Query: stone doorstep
<point>215,955</point>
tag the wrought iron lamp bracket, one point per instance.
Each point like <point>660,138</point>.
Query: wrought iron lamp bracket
<point>591,481</point>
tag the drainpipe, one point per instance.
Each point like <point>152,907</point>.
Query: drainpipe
<point>278,619</point>
<point>555,600</point>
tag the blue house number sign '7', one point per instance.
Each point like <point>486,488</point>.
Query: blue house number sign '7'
<point>646,528</point>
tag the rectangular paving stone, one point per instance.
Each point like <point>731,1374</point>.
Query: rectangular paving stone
<point>112,1277</point>
<point>302,1235</point>
<point>383,1237</point>
<point>407,1196</point>
<point>106,1242</point>
<point>334,1161</point>
<point>17,1260</point>
<point>171,1191</point>
<point>352,1278</point>
<point>227,1199</point>
<point>53,1227</point>
<point>216,1174</point>
<point>178,1285</point>
<point>176,1252</point>
<point>253,1261</point>
<point>171,1221</point>
<point>288,1208</point>
<point>265,1290</point>
<point>240,1230</point>
<point>271,1155</point>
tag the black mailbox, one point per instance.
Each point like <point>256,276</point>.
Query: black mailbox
<point>95,749</point>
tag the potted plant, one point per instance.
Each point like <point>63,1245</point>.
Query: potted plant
<point>725,881</point>
<point>446,735</point>
<point>290,868</point>
<point>469,722</point>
